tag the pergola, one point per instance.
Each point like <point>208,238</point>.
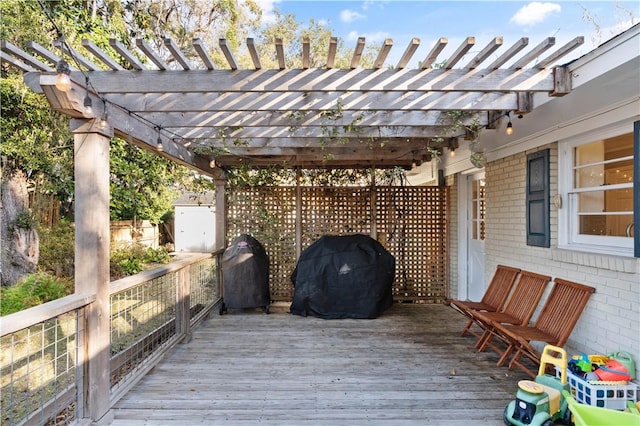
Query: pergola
<point>208,119</point>
<point>188,110</point>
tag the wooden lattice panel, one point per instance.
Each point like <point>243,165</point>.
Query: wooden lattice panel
<point>269,215</point>
<point>410,223</point>
<point>334,211</point>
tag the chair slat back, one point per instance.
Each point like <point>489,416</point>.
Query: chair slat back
<point>500,286</point>
<point>526,295</point>
<point>562,309</point>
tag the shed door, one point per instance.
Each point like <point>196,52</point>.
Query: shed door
<point>195,229</point>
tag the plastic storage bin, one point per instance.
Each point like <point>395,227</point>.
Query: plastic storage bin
<point>601,394</point>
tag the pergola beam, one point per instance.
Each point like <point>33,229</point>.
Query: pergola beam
<point>315,101</point>
<point>299,80</point>
<point>312,118</point>
<point>309,132</point>
<point>123,123</point>
<point>351,142</point>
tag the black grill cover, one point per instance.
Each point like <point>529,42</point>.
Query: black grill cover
<point>245,272</point>
<point>348,276</point>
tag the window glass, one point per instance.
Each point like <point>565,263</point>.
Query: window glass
<point>602,194</point>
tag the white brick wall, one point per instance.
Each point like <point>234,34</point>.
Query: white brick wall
<point>611,320</point>
<point>452,228</point>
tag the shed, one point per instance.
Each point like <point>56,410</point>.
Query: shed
<point>195,222</point>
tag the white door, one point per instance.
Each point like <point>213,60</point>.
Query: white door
<point>195,229</point>
<point>476,213</point>
<point>471,283</point>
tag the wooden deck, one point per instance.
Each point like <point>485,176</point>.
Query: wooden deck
<point>408,367</point>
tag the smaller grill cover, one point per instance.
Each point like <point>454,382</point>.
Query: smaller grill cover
<point>245,272</point>
<point>348,276</point>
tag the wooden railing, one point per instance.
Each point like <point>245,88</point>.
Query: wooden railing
<point>42,373</point>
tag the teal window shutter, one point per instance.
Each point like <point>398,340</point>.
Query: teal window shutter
<point>538,210</point>
<point>636,188</point>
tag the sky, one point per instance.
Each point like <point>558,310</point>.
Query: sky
<point>403,20</point>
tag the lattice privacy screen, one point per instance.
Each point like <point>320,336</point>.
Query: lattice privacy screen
<point>409,221</point>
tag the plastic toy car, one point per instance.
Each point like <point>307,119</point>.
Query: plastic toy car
<point>541,402</point>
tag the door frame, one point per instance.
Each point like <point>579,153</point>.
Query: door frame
<point>463,230</point>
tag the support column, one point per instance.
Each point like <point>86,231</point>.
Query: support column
<point>92,244</point>
<point>221,214</point>
<point>298,213</point>
<point>373,201</point>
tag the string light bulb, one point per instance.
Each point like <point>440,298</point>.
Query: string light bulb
<point>88,107</point>
<point>509,130</point>
<point>63,81</point>
<point>104,122</point>
<point>159,146</point>
<point>212,164</point>
<point>88,104</point>
<point>452,144</point>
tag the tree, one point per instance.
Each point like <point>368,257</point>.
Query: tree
<point>184,20</point>
<point>292,34</point>
<point>143,185</point>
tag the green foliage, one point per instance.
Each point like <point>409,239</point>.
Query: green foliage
<point>24,220</point>
<point>125,260</point>
<point>34,290</point>
<point>183,21</point>
<point>158,255</point>
<point>130,259</point>
<point>35,139</point>
<point>246,176</point>
<point>143,185</point>
<point>292,33</point>
<point>57,249</point>
<point>281,176</point>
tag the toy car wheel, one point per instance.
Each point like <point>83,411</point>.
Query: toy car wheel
<point>505,416</point>
<point>566,419</point>
<point>547,423</point>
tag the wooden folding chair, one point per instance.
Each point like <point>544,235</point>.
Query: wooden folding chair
<point>494,296</point>
<point>553,326</point>
<point>518,310</point>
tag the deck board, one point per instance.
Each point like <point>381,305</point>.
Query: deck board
<point>408,367</point>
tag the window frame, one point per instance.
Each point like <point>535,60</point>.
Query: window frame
<point>568,237</point>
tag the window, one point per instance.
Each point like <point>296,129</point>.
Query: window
<point>596,182</point>
<point>479,207</point>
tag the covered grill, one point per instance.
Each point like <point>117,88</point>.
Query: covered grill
<point>245,273</point>
<point>349,276</point>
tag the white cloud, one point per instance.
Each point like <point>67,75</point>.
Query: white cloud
<point>348,16</point>
<point>367,4</point>
<point>267,6</point>
<point>370,37</point>
<point>534,13</point>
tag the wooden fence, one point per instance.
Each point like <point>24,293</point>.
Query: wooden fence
<point>409,221</point>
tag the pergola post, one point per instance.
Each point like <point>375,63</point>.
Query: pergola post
<point>298,213</point>
<point>92,243</point>
<point>220,215</point>
<point>373,205</point>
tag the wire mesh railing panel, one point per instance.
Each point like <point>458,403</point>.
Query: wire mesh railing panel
<point>143,321</point>
<point>205,288</point>
<point>38,372</point>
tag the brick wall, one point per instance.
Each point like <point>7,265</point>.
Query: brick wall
<point>610,322</point>
<point>452,233</point>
